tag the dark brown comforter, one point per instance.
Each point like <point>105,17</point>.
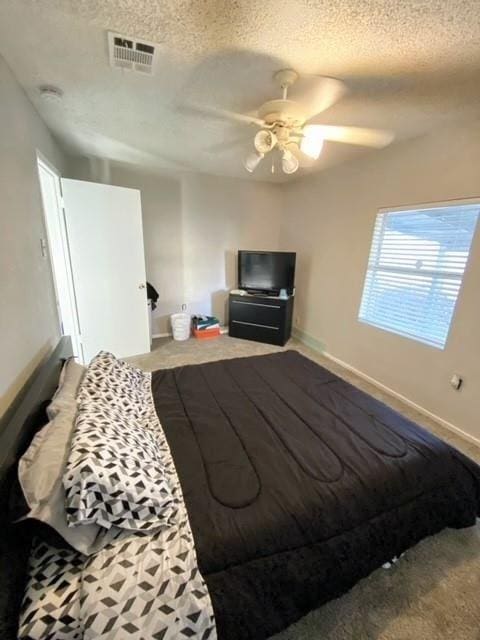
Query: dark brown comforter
<point>297,484</point>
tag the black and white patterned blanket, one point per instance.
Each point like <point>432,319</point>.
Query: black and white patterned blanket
<point>144,585</point>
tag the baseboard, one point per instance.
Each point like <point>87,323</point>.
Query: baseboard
<point>169,335</point>
<point>309,342</point>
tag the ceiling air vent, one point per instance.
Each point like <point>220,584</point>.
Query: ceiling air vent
<point>134,55</point>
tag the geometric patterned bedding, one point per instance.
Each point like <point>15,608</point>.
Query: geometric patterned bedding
<point>115,469</point>
<point>141,586</point>
<point>51,606</point>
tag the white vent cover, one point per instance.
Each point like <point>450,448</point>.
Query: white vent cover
<point>134,55</point>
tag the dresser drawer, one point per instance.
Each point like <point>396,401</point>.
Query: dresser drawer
<point>261,313</point>
<point>260,318</point>
<point>257,332</point>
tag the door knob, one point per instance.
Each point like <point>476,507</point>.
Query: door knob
<point>141,286</point>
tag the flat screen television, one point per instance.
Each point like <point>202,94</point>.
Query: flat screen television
<point>266,271</point>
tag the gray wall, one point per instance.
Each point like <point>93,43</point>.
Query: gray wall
<point>329,218</point>
<point>28,317</point>
<point>193,227</point>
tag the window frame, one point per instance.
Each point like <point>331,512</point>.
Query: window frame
<point>472,202</point>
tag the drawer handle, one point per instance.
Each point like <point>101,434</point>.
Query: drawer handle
<point>253,324</point>
<point>257,304</point>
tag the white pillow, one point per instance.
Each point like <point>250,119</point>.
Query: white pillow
<point>40,472</point>
<point>45,458</point>
<point>66,394</point>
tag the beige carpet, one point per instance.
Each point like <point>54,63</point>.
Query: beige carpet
<point>433,593</point>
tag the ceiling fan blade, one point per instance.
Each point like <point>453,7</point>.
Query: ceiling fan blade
<point>303,159</point>
<point>377,138</point>
<point>232,143</point>
<point>316,93</point>
<point>223,114</point>
<point>173,163</point>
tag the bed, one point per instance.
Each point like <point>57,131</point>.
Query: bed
<point>296,485</point>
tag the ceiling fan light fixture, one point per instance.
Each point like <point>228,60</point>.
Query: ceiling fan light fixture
<point>312,141</point>
<point>289,162</point>
<point>265,141</point>
<point>252,161</point>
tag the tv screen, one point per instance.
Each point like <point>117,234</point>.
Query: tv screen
<point>267,271</point>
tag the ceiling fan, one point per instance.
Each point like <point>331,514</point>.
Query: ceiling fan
<point>290,125</point>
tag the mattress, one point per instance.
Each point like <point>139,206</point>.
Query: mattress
<point>297,484</point>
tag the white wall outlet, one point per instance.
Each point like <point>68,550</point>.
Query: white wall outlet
<point>456,381</point>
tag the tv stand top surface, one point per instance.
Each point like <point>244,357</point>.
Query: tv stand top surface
<point>247,294</point>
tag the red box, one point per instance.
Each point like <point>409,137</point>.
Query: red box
<point>205,334</point>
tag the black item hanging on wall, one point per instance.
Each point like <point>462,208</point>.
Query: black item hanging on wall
<point>152,295</point>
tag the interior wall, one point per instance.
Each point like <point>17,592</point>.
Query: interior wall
<point>329,218</point>
<point>29,325</point>
<point>193,226</point>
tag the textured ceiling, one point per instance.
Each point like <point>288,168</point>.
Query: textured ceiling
<point>410,66</point>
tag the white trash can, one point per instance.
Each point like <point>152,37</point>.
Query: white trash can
<point>181,326</point>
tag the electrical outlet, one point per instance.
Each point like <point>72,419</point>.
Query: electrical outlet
<point>456,381</point>
<point>184,307</point>
<point>297,320</point>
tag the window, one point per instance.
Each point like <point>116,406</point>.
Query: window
<point>415,270</point>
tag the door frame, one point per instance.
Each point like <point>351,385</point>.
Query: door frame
<point>59,256</point>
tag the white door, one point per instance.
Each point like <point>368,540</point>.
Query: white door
<point>105,237</point>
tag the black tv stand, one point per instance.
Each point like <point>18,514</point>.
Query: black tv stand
<point>260,317</point>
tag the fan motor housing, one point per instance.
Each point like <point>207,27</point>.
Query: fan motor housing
<point>283,133</point>
<point>286,112</point>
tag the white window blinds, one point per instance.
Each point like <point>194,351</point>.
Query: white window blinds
<point>415,270</point>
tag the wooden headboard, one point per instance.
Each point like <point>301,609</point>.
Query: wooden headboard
<point>17,427</point>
